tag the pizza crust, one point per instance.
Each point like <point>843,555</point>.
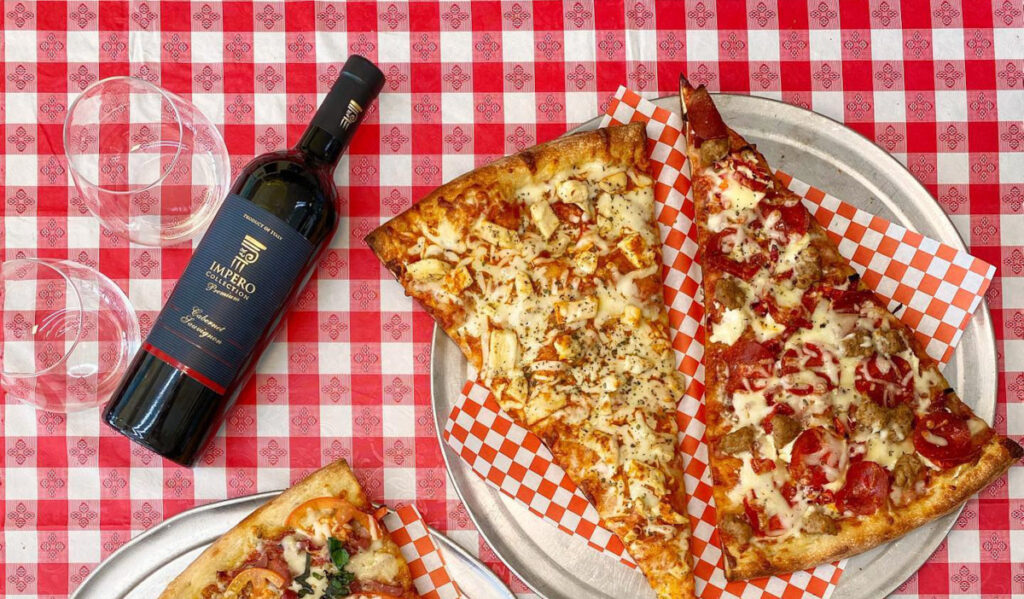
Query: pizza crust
<point>231,549</point>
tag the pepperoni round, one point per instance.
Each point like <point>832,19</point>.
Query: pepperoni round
<point>718,251</point>
<point>851,301</point>
<point>817,456</point>
<point>866,489</point>
<point>750,366</point>
<point>793,219</point>
<point>888,381</point>
<point>944,439</point>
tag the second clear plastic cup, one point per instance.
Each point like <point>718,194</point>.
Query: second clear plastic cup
<point>68,334</point>
<point>147,163</point>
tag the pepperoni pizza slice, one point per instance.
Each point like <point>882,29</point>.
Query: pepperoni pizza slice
<point>831,430</point>
<point>545,268</point>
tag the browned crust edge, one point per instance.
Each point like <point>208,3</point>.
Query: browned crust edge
<point>946,493</point>
<point>335,479</point>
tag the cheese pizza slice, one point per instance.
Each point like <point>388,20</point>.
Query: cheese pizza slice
<point>831,430</point>
<point>545,268</point>
<point>319,539</point>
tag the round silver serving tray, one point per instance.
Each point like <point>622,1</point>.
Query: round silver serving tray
<point>144,566</point>
<point>820,152</point>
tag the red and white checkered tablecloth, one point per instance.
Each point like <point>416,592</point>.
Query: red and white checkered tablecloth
<point>939,84</point>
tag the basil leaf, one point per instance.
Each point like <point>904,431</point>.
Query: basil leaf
<point>338,585</point>
<point>338,553</point>
<point>303,579</point>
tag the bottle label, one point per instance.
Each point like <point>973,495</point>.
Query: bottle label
<point>232,289</point>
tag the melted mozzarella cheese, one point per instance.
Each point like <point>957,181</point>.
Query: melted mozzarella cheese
<point>294,556</point>
<point>885,452</point>
<point>374,564</point>
<point>750,407</point>
<point>738,199</point>
<point>317,581</point>
<point>766,328</point>
<point>730,327</point>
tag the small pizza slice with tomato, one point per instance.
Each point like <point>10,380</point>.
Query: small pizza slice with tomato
<point>831,430</point>
<point>321,539</point>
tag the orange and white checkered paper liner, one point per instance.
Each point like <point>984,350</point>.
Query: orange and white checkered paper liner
<point>933,287</point>
<point>426,563</point>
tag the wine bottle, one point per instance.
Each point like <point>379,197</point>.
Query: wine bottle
<point>257,254</point>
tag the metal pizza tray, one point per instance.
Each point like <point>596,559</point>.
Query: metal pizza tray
<point>144,566</point>
<point>820,152</point>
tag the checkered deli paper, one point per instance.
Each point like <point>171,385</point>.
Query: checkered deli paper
<point>934,288</point>
<point>426,563</point>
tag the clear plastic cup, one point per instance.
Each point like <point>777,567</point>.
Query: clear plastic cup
<point>147,163</point>
<point>68,334</point>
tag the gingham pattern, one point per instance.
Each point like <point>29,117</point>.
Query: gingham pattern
<point>938,83</point>
<point>426,563</point>
<point>510,458</point>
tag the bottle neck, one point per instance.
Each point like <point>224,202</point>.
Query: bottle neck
<point>321,146</point>
<point>339,115</point>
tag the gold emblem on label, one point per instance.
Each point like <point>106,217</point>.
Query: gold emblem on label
<point>351,114</point>
<point>248,253</point>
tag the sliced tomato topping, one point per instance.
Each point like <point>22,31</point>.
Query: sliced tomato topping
<point>945,439</point>
<point>333,513</point>
<point>866,489</point>
<point>750,365</point>
<point>888,381</point>
<point>817,457</point>
<point>261,582</point>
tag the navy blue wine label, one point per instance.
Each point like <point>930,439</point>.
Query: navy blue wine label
<point>232,289</point>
